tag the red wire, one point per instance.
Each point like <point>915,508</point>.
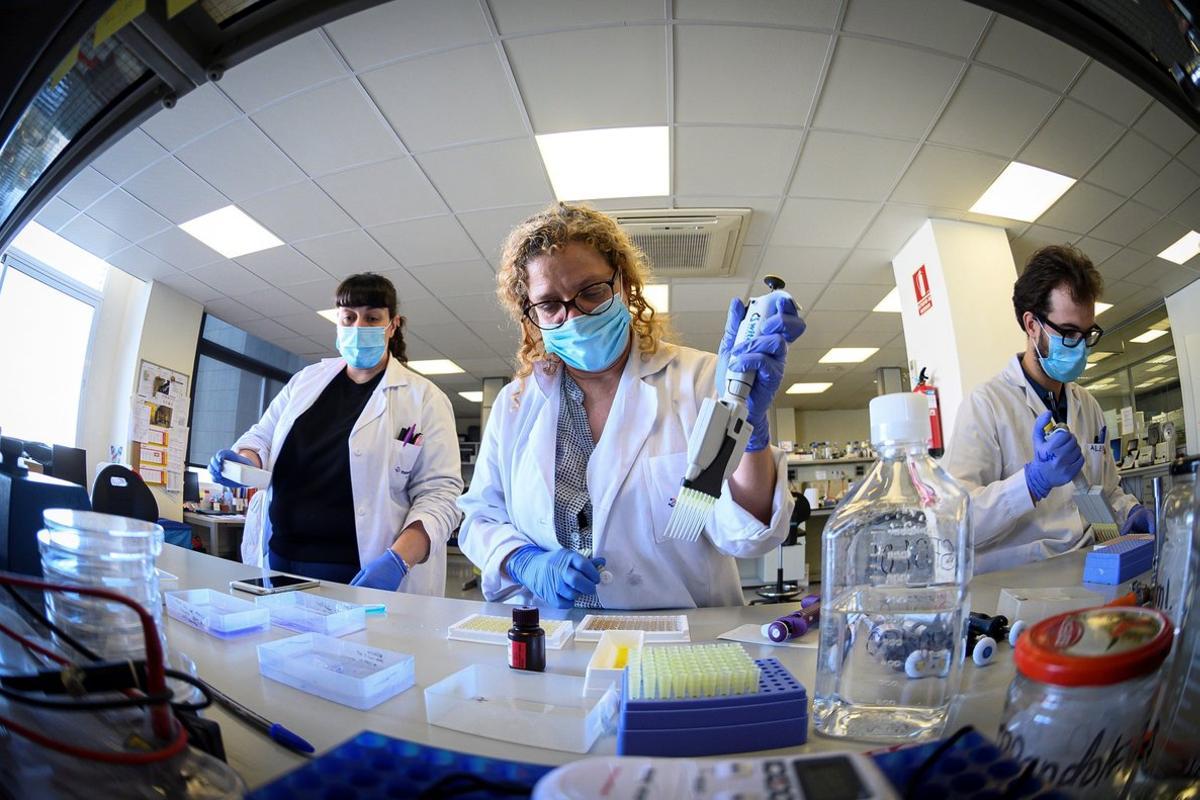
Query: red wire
<point>156,679</point>
<point>176,747</point>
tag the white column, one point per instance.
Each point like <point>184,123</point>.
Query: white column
<point>1183,309</point>
<point>956,281</point>
<point>491,388</point>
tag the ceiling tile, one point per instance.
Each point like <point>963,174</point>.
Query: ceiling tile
<point>347,253</point>
<point>1169,188</point>
<point>298,211</point>
<point>230,277</point>
<point>1189,155</point>
<point>947,25</point>
<point>551,68</point>
<point>297,345</point>
<point>467,87</point>
<point>1164,276</point>
<point>732,74</point>
<point>385,192</point>
<point>873,267</point>
<point>1018,48</point>
<point>1071,141</point>
<point>489,228</point>
<point>126,215</point>
<point>802,264</point>
<point>849,297</point>
<point>230,311</point>
<point>316,295</point>
<point>1081,208</point>
<point>329,128</point>
<point>694,296</point>
<point>481,307</point>
<point>743,161</point>
<point>1121,264</point>
<point>397,29</point>
<point>896,224</point>
<point>523,16</point>
<point>881,322</point>
<point>1126,223</point>
<point>940,176</point>
<point>190,287</point>
<point>881,88</point>
<point>283,70</point>
<point>411,294</point>
<point>1158,238</point>
<point>992,112</point>
<point>195,114</point>
<point>269,302</point>
<point>55,214</point>
<point>1129,165</point>
<point>763,208</point>
<point>282,266</point>
<point>812,13</point>
<point>1095,249</point>
<point>85,188</point>
<point>453,339</point>
<point>1119,292</point>
<point>309,323</point>
<point>175,191</point>
<point>180,249</point>
<point>92,236</point>
<point>878,163</point>
<point>822,223</point>
<point>239,161</point>
<point>457,279</point>
<point>1106,91</point>
<point>488,175</point>
<point>1164,127</point>
<point>433,240</point>
<point>132,153</point>
<point>141,264</point>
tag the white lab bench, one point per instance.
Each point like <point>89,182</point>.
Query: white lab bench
<point>417,625</point>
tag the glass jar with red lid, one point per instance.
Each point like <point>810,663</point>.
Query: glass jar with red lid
<point>1082,697</point>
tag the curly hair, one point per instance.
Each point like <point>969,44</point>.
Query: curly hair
<point>550,230</point>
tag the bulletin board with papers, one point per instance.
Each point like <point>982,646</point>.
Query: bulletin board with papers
<point>159,428</point>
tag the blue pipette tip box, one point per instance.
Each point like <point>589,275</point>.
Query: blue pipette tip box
<point>372,766</point>
<point>775,716</point>
<point>1118,561</point>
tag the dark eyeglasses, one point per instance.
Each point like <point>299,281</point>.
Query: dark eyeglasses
<point>1072,336</point>
<point>595,298</point>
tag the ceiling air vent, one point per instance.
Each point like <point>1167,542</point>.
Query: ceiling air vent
<point>688,242</point>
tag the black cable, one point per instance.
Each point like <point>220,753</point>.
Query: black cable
<point>86,705</point>
<point>914,782</point>
<point>444,787</point>
<point>191,680</point>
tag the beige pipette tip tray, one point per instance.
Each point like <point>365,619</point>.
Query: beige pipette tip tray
<point>658,628</point>
<point>487,629</point>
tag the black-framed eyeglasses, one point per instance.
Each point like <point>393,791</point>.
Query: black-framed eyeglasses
<point>1072,336</point>
<point>595,298</point>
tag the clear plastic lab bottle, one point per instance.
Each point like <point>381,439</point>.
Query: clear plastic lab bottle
<point>896,559</point>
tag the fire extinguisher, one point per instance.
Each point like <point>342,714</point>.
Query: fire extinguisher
<point>936,449</point>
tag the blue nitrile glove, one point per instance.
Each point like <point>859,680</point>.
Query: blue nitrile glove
<point>765,355</point>
<point>1139,520</point>
<point>1056,460</point>
<point>385,572</point>
<point>214,467</point>
<point>556,576</point>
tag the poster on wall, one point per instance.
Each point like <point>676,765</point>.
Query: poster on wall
<point>159,425</point>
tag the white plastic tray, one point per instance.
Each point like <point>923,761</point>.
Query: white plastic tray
<point>658,628</point>
<point>603,670</point>
<point>487,629</point>
<point>299,611</point>
<point>547,710</point>
<point>216,613</point>
<point>349,673</point>
<point>246,474</point>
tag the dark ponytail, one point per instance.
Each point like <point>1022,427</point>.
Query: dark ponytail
<point>374,291</point>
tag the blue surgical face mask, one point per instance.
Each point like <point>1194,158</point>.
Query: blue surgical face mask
<point>591,343</point>
<point>1063,364</point>
<point>362,347</point>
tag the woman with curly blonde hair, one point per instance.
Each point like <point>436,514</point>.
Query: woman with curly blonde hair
<point>585,450</point>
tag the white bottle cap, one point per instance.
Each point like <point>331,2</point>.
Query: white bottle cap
<point>900,417</point>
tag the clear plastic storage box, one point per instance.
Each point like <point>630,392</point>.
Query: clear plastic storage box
<point>549,710</point>
<point>303,612</point>
<point>349,673</point>
<point>216,613</point>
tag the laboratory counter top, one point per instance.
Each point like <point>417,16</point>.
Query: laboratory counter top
<point>417,625</point>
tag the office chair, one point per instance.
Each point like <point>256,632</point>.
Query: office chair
<point>781,591</point>
<point>121,491</point>
<point>69,464</point>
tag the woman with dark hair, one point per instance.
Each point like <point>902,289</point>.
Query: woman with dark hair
<point>364,460</point>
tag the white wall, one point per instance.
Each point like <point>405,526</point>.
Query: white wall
<point>841,425</point>
<point>1183,309</point>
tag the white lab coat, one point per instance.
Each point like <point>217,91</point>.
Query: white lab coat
<point>991,445</point>
<point>633,477</point>
<point>393,484</point>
